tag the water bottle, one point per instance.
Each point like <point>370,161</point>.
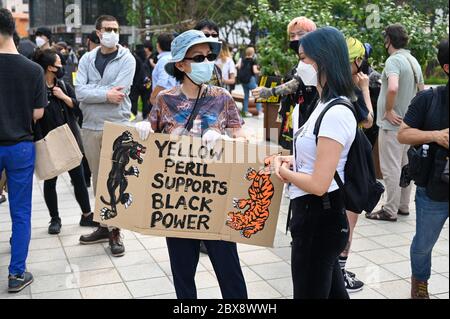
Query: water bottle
<point>425,149</point>
<point>197,128</point>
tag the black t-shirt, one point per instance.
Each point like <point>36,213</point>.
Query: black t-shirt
<point>246,71</point>
<point>102,60</point>
<point>22,90</point>
<point>418,112</point>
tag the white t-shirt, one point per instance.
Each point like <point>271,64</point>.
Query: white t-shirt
<point>227,68</point>
<point>338,124</point>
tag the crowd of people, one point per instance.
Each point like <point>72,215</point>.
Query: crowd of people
<point>184,85</point>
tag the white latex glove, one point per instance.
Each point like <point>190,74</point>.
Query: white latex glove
<point>144,129</point>
<point>210,138</point>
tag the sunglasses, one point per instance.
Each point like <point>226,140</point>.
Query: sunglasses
<point>214,35</point>
<point>109,30</point>
<point>200,58</point>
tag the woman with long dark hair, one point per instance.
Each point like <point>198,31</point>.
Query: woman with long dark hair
<point>319,224</point>
<point>60,111</point>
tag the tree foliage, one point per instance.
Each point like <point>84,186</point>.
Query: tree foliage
<point>179,15</point>
<point>362,19</point>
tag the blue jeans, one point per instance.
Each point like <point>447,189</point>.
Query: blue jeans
<point>18,160</point>
<point>247,88</point>
<point>430,218</point>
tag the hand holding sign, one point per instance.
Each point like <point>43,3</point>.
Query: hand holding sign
<point>210,138</point>
<point>144,130</point>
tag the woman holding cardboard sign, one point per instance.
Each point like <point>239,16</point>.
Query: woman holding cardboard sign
<point>209,112</point>
<point>319,224</point>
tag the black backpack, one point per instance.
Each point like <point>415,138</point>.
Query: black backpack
<point>361,189</point>
<point>245,73</point>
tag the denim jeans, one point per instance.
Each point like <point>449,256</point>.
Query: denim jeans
<point>18,161</point>
<point>430,219</point>
<point>247,88</point>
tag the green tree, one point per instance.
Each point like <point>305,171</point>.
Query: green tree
<point>361,19</point>
<point>179,15</point>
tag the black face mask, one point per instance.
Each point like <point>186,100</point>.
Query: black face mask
<point>387,48</point>
<point>295,46</point>
<point>60,73</point>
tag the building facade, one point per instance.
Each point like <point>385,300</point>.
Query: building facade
<point>19,9</point>
<point>73,20</point>
<point>15,6</point>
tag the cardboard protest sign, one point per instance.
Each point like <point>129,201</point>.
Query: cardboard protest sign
<point>270,82</point>
<point>175,187</point>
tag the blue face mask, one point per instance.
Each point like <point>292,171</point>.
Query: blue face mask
<point>201,72</point>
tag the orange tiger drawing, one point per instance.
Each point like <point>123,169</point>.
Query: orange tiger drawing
<point>261,193</point>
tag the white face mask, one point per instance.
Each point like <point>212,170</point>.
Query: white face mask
<point>307,73</point>
<point>40,42</point>
<point>110,39</point>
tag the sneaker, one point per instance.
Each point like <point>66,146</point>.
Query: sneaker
<point>352,275</point>
<point>203,248</point>
<point>100,235</point>
<point>88,221</point>
<point>116,243</point>
<point>352,284</point>
<point>2,199</point>
<point>260,116</point>
<point>55,226</point>
<point>247,114</point>
<point>18,283</point>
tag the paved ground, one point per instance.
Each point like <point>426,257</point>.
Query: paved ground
<point>64,269</point>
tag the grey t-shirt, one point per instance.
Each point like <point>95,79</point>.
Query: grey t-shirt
<point>400,64</point>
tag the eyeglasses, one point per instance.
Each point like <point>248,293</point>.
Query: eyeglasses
<point>200,58</point>
<point>214,35</point>
<point>109,30</point>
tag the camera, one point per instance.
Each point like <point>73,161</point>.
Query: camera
<point>405,177</point>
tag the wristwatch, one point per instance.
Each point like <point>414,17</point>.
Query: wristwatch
<point>274,91</point>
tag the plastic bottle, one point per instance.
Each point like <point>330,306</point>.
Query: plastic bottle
<point>197,127</point>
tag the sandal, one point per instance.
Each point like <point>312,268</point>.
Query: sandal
<point>381,215</point>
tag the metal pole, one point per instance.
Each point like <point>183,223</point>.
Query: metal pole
<point>133,27</point>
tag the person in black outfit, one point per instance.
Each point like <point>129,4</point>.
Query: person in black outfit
<point>427,123</point>
<point>59,111</point>
<point>319,224</point>
<point>140,89</point>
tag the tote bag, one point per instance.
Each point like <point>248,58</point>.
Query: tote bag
<point>57,153</point>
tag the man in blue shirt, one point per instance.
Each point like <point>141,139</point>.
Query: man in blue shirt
<point>160,78</point>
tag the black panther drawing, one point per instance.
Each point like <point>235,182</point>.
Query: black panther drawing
<point>124,150</point>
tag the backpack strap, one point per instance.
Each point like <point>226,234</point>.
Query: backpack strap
<point>339,101</point>
<point>195,111</point>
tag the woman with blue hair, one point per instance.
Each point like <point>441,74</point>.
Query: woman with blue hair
<point>319,224</point>
<point>197,109</point>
